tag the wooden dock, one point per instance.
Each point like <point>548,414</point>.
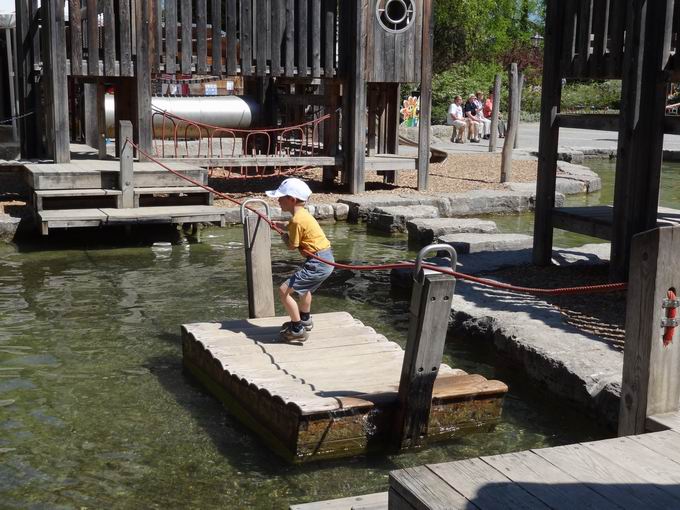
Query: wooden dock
<point>633,472</point>
<point>334,395</point>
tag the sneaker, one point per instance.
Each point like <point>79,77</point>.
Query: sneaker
<point>308,324</point>
<point>290,335</point>
<point>475,140</point>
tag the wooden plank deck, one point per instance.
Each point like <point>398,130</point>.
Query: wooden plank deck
<point>331,396</point>
<point>596,221</point>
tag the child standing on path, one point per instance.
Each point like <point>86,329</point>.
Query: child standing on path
<point>305,235</point>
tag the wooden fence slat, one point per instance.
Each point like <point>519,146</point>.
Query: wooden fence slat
<point>260,37</point>
<point>187,46</point>
<point>109,38</point>
<point>278,20</point>
<point>600,34</point>
<point>316,38</point>
<point>232,16</point>
<point>157,43</point>
<point>142,121</point>
<point>617,26</point>
<point>92,39</point>
<point>568,43</point>
<point>246,38</point>
<point>76,28</point>
<point>329,38</point>
<point>216,35</point>
<point>302,43</point>
<point>583,40</point>
<point>125,35</point>
<point>171,36</point>
<point>201,36</point>
<point>290,39</point>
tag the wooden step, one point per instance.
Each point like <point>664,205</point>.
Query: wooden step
<point>39,195</point>
<point>173,190</point>
<point>96,217</point>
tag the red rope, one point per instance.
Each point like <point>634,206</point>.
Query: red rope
<point>583,289</point>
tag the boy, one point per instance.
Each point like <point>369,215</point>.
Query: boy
<point>304,234</point>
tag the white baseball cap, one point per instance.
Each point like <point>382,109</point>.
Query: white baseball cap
<point>292,187</point>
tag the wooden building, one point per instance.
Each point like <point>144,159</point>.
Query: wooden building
<point>347,58</point>
<point>633,41</point>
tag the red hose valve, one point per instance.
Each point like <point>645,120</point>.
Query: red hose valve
<point>670,322</point>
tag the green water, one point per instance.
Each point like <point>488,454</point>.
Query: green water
<point>96,412</point>
<point>524,223</point>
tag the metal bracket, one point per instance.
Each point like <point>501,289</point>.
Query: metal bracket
<point>670,303</point>
<point>434,247</point>
<point>670,323</point>
<point>254,200</point>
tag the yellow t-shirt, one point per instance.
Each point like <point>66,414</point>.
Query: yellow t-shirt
<point>305,233</point>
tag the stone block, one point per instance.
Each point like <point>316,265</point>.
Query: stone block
<point>9,225</point>
<point>480,202</point>
<point>473,243</point>
<point>324,212</point>
<point>341,211</point>
<point>424,231</point>
<point>393,219</point>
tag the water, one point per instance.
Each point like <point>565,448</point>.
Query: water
<point>96,412</point>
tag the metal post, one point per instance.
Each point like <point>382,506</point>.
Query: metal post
<point>258,242</point>
<point>428,323</point>
<point>126,164</point>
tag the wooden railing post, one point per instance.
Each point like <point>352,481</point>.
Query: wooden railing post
<point>258,242</point>
<point>428,323</point>
<point>126,176</point>
<point>651,370</point>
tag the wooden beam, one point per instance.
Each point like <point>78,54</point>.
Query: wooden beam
<point>640,146</point>
<point>356,99</point>
<point>109,38</point>
<point>428,323</point>
<point>125,34</point>
<point>143,127</point>
<point>598,121</point>
<point>171,36</point>
<point>651,370</point>
<point>201,36</point>
<point>76,32</point>
<point>548,138</point>
<point>425,95</point>
<point>257,241</point>
<point>216,34</point>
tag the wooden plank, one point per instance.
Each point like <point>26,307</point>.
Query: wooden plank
<point>246,39</point>
<point>171,36</point>
<point>201,36</point>
<point>316,38</point>
<point>547,483</point>
<point>584,221</point>
<point>187,21</point>
<point>156,37</point>
<point>216,35</point>
<point>109,38</point>
<point>617,20</point>
<point>92,39</point>
<point>126,175</point>
<point>598,121</point>
<point>484,485</point>
<point>666,443</point>
<point>640,146</point>
<point>142,119</point>
<point>257,241</point>
<point>600,27</point>
<point>260,37</point>
<point>616,484</point>
<point>551,94</point>
<point>329,43</point>
<point>585,16</point>
<point>269,161</point>
<point>124,30</point>
<point>76,29</point>
<point>421,488</point>
<point>425,95</point>
<point>565,37</point>
<point>232,41</point>
<point>354,502</point>
<point>301,19</point>
<point>278,22</point>
<point>428,322</point>
<point>663,421</point>
<point>289,67</point>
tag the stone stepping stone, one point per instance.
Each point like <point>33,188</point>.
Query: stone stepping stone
<point>423,231</point>
<point>474,243</point>
<point>393,219</point>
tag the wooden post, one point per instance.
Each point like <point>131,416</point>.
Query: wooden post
<point>55,74</point>
<point>518,108</point>
<point>11,79</point>
<point>651,371</point>
<point>258,243</point>
<point>641,131</point>
<point>425,96</point>
<point>506,162</point>
<point>551,94</point>
<point>100,110</point>
<point>143,128</point>
<point>126,164</point>
<point>355,152</point>
<point>493,139</point>
<point>428,322</point>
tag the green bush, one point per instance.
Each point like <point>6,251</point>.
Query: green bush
<point>605,95</point>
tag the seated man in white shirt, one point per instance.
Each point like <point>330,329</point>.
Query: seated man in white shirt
<point>456,119</point>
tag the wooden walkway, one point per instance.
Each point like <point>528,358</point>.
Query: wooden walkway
<point>635,472</point>
<point>333,395</point>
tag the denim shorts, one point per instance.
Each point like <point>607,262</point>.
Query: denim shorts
<point>312,274</point>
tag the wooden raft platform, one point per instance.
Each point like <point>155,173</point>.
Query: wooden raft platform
<point>633,472</point>
<point>334,395</point>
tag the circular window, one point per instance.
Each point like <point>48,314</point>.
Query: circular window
<point>395,15</point>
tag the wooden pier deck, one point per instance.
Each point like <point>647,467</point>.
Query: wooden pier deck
<point>634,472</point>
<point>335,394</point>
